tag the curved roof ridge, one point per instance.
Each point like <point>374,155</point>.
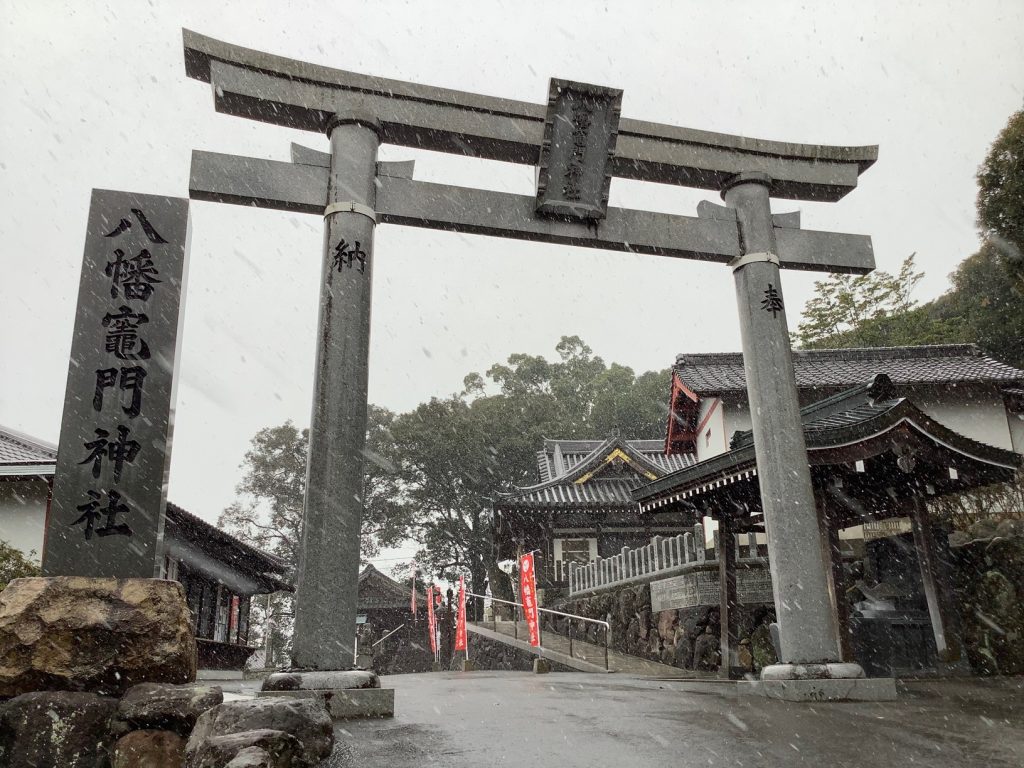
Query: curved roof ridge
<point>592,461</point>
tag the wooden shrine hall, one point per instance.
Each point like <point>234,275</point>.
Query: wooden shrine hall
<point>582,508</point>
<point>873,456</point>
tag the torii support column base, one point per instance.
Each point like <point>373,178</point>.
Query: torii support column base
<point>819,682</point>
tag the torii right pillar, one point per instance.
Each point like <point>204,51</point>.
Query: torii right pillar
<point>811,667</point>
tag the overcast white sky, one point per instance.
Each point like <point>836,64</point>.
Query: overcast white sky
<point>95,95</point>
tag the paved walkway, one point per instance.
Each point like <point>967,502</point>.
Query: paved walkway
<point>594,654</point>
<point>494,719</point>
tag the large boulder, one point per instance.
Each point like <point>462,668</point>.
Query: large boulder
<point>70,633</point>
<point>251,757</point>
<point>305,718</point>
<point>281,749</point>
<point>148,749</point>
<point>63,729</point>
<point>166,707</point>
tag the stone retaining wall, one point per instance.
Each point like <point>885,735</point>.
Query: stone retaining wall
<point>687,638</point>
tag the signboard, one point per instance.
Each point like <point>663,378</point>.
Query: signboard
<point>528,591</point>
<point>431,621</point>
<point>460,624</point>
<point>110,487</point>
<point>753,585</point>
<point>580,130</point>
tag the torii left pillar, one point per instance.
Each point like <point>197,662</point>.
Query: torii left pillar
<point>328,578</point>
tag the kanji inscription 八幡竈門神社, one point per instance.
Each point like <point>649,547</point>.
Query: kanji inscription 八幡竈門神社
<point>110,484</point>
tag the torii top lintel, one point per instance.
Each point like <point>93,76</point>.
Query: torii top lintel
<point>297,94</point>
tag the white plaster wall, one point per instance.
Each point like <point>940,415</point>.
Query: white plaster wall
<point>23,515</point>
<point>1015,423</point>
<point>977,413</point>
<point>736,418</point>
<point>712,438</point>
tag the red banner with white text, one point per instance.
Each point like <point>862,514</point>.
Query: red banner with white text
<point>431,625</point>
<point>460,625</point>
<point>528,593</point>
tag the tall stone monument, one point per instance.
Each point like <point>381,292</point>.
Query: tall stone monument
<point>110,486</point>
<point>578,142</point>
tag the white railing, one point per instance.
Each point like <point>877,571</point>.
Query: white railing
<point>662,555</point>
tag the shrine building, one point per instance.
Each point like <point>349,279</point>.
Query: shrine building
<point>887,429</point>
<point>582,508</point>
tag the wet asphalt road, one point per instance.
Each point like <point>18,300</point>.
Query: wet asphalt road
<point>567,720</point>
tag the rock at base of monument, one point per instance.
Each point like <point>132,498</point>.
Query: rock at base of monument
<point>822,689</point>
<point>71,633</point>
<point>148,749</point>
<point>251,757</point>
<point>280,747</point>
<point>56,728</point>
<point>304,719</point>
<point>165,707</point>
<point>541,666</point>
<point>321,681</point>
<point>467,665</point>
<point>347,703</point>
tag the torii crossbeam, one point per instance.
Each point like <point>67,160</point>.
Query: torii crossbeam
<point>578,143</point>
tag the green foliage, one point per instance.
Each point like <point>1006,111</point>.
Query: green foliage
<point>435,470</point>
<point>1001,196</point>
<point>986,305</point>
<point>843,303</point>
<point>14,565</point>
<point>982,307</point>
<point>455,454</point>
<point>269,513</point>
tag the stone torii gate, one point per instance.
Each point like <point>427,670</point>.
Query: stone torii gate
<point>578,142</point>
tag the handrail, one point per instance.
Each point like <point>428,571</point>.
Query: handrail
<point>389,634</point>
<point>570,616</point>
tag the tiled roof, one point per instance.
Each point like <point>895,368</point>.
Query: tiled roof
<point>582,484</point>
<point>377,590</point>
<point>856,414</point>
<point>559,457</point>
<point>597,494</point>
<point>226,547</point>
<point>717,373</point>
<point>17,449</point>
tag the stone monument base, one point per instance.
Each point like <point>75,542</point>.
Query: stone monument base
<point>346,694</point>
<point>541,666</point>
<point>818,682</point>
<point>467,665</point>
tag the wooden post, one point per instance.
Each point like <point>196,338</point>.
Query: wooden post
<point>829,519</point>
<point>940,612</point>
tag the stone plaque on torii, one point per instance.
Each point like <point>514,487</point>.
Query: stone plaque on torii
<point>578,142</point>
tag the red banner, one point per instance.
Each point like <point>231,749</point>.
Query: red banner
<point>528,593</point>
<point>431,626</point>
<point>460,625</point>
